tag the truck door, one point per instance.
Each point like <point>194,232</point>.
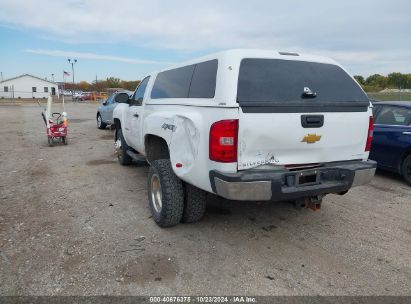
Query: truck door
<point>135,116</point>
<point>104,110</point>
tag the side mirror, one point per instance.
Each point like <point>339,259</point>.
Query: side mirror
<point>122,98</point>
<point>104,103</point>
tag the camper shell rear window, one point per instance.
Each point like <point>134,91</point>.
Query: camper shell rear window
<point>289,81</point>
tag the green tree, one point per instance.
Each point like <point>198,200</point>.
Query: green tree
<point>398,80</point>
<point>130,85</point>
<point>113,82</point>
<point>360,79</point>
<point>379,82</point>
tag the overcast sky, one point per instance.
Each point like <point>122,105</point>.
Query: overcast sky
<point>128,38</point>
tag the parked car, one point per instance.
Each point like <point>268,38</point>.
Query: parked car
<point>246,125</point>
<point>84,96</point>
<point>66,92</point>
<point>105,110</point>
<point>391,145</point>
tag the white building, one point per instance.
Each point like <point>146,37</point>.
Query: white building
<point>27,86</point>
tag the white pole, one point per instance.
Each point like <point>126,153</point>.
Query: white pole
<point>64,107</point>
<point>48,109</point>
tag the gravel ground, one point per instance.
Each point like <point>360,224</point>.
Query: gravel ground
<point>75,222</point>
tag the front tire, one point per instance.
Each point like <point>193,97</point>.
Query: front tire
<point>165,194</point>
<point>194,205</point>
<point>406,169</point>
<point>121,146</point>
<point>100,124</point>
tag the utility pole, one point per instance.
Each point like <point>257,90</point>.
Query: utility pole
<point>1,76</point>
<point>52,77</point>
<point>72,62</point>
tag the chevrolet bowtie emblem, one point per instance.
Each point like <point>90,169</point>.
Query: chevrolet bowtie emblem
<point>311,138</point>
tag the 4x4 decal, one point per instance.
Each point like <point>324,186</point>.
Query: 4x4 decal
<point>169,127</point>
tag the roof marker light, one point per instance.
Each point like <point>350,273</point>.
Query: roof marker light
<point>288,54</point>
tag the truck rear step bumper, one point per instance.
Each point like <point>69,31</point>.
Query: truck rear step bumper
<point>280,185</point>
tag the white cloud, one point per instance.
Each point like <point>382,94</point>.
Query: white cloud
<point>352,31</point>
<point>212,24</point>
<point>83,55</point>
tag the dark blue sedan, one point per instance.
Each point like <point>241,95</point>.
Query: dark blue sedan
<point>391,145</point>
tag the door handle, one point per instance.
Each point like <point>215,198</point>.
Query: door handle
<point>135,115</point>
<point>312,121</point>
<point>406,133</point>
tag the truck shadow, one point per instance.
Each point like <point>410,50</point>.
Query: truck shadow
<point>222,210</point>
<point>390,175</point>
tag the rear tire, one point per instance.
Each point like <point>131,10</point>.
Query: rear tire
<point>406,169</point>
<point>100,124</point>
<point>165,194</point>
<point>195,201</point>
<point>123,158</point>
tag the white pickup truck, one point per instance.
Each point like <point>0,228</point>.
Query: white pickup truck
<point>246,125</point>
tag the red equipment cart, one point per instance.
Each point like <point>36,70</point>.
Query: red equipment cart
<point>56,127</point>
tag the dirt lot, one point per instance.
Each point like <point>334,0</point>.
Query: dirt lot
<point>74,222</point>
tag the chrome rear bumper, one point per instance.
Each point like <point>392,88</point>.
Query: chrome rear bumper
<point>282,185</point>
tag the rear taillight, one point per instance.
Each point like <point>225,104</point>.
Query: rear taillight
<point>223,141</point>
<point>370,134</point>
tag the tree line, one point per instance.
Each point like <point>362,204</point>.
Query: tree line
<point>102,85</point>
<point>377,82</point>
<point>373,83</point>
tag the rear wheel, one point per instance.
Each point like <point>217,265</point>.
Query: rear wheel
<point>121,147</point>
<point>100,123</point>
<point>406,169</point>
<point>194,204</point>
<point>165,194</point>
